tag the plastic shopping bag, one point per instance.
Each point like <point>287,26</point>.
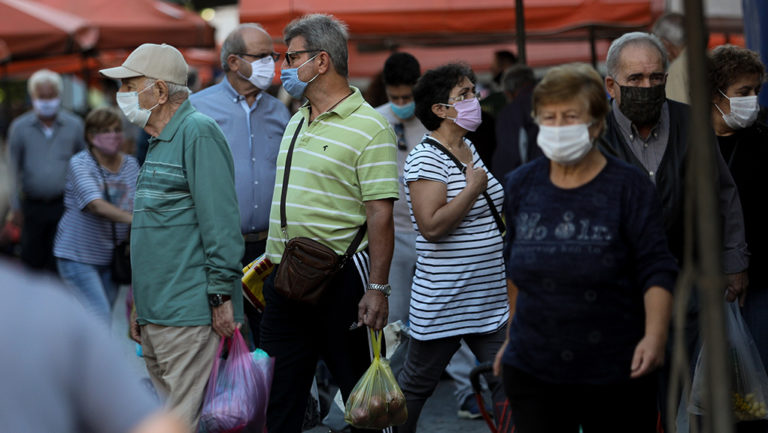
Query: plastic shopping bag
<point>749,380</point>
<point>238,389</point>
<point>253,280</point>
<point>376,401</point>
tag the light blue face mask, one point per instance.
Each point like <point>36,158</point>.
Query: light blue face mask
<point>291,82</point>
<point>403,112</point>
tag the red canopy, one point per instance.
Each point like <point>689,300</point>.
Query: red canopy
<point>30,29</point>
<point>452,22</point>
<point>130,23</point>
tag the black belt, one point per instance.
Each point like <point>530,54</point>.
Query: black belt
<point>256,236</point>
<point>52,200</point>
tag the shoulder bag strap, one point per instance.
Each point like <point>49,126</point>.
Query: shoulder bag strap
<point>494,211</point>
<point>106,194</point>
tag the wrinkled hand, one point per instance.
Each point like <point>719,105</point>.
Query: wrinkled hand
<point>373,309</point>
<point>497,360</point>
<point>737,287</point>
<point>649,355</point>
<point>223,320</point>
<point>135,329</point>
<point>477,178</point>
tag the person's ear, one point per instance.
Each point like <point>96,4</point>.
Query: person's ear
<point>323,62</point>
<point>233,63</point>
<point>439,110</point>
<point>609,86</point>
<point>161,91</point>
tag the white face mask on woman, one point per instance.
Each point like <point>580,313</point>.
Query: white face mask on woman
<point>564,144</point>
<point>743,111</point>
<point>129,104</point>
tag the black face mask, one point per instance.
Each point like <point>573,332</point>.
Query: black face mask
<point>642,105</point>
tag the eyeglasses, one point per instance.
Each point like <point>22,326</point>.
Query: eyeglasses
<point>275,56</point>
<point>292,56</point>
<point>469,94</point>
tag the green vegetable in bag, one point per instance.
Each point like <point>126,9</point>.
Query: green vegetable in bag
<point>376,402</point>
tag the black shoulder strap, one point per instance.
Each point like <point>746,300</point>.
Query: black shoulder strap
<point>284,192</point>
<point>494,211</point>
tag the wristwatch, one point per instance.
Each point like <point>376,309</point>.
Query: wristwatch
<point>217,299</point>
<point>386,289</point>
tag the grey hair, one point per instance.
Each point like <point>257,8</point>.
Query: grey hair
<point>633,38</point>
<point>44,76</point>
<point>234,43</point>
<point>670,27</point>
<point>322,32</point>
<point>516,77</point>
<point>176,92</point>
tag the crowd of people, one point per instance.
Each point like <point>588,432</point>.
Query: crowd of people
<point>539,229</point>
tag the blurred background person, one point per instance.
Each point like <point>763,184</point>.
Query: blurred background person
<point>589,273</point>
<point>98,202</point>
<point>736,75</point>
<point>40,143</point>
<point>670,29</point>
<point>496,99</point>
<point>515,129</point>
<point>69,377</point>
<point>458,291</point>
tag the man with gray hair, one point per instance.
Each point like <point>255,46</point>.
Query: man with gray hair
<point>185,237</point>
<point>336,181</point>
<point>649,131</point>
<point>40,143</point>
<point>253,122</point>
<point>669,28</point>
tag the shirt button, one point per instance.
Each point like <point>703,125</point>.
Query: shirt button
<point>255,182</point>
<point>253,227</point>
<point>253,159</point>
<point>251,135</point>
<point>651,173</point>
<point>255,206</point>
<point>645,145</point>
<point>631,136</point>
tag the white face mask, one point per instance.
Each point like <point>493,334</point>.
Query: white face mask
<point>262,72</point>
<point>564,144</point>
<point>129,104</point>
<point>743,111</point>
<point>46,108</point>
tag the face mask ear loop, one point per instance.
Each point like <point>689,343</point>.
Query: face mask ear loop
<point>718,108</point>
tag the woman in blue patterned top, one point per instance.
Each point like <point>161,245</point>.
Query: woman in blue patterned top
<point>589,274</point>
<point>101,182</point>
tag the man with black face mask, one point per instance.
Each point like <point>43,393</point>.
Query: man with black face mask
<point>650,131</point>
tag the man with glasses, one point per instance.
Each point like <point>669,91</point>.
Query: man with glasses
<point>650,131</point>
<point>253,122</point>
<point>342,179</point>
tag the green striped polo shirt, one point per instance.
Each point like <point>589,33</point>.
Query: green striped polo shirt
<point>345,157</point>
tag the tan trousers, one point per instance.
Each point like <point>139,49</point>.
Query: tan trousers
<point>179,361</point>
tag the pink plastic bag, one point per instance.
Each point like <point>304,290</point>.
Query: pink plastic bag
<point>238,389</point>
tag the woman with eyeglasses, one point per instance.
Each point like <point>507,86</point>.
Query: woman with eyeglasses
<point>588,270</point>
<point>458,291</point>
<point>98,202</point>
<point>736,75</point>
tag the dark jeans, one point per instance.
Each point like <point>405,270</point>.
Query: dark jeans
<point>252,251</point>
<point>41,219</point>
<point>426,361</point>
<point>543,407</point>
<point>298,335</point>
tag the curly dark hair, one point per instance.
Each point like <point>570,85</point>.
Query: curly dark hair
<point>728,63</point>
<point>401,69</point>
<point>434,87</point>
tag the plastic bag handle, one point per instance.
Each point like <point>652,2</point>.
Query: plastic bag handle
<point>375,342</point>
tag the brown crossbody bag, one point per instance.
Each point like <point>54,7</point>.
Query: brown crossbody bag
<point>307,266</point>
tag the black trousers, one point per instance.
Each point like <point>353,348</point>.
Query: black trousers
<point>41,219</point>
<point>298,335</point>
<point>543,407</point>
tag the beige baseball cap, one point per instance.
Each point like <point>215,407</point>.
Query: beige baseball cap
<point>160,62</point>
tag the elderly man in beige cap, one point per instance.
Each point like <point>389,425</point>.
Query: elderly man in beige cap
<point>185,238</point>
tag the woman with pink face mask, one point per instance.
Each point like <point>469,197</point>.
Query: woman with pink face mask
<point>98,202</point>
<point>458,290</point>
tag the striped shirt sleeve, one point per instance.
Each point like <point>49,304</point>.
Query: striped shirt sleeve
<point>424,163</point>
<point>86,184</point>
<point>377,167</point>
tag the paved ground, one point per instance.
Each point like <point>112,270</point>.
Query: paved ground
<point>438,416</point>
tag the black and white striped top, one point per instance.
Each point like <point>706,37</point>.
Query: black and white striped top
<point>459,287</point>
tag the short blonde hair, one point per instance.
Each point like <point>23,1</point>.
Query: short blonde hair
<point>573,81</point>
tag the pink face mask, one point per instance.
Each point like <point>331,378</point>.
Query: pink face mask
<point>108,142</point>
<point>469,116</point>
